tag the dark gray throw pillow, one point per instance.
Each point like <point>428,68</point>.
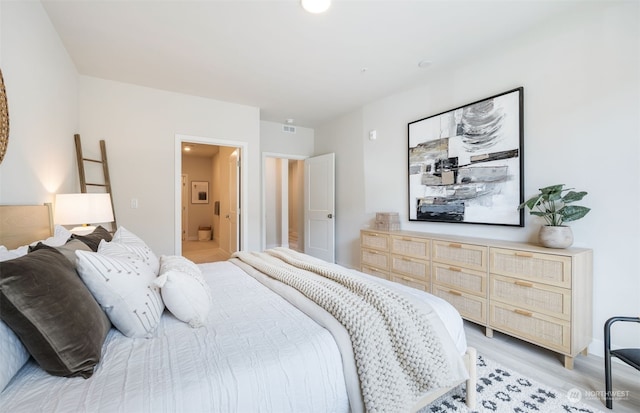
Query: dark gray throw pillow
<point>47,305</point>
<point>93,240</point>
<point>68,250</point>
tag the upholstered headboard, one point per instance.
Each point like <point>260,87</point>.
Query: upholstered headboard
<point>23,224</point>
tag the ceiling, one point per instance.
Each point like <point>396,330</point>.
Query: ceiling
<point>275,56</point>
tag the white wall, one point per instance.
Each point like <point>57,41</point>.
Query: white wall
<point>41,84</point>
<point>139,126</point>
<point>274,140</point>
<point>273,202</point>
<point>580,74</point>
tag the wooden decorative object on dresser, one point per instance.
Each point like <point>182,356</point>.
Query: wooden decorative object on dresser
<point>536,294</point>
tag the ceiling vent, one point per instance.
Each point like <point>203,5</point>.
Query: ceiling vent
<point>288,128</point>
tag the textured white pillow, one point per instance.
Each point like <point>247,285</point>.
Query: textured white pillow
<point>134,244</point>
<point>123,286</point>
<point>184,291</point>
<point>14,354</point>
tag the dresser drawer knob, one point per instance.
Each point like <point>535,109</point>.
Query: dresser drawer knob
<point>524,283</point>
<point>454,292</point>
<point>455,245</point>
<point>524,313</point>
<point>456,269</point>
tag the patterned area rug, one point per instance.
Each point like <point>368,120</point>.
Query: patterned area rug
<point>502,390</point>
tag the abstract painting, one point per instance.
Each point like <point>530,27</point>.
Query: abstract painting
<point>465,164</point>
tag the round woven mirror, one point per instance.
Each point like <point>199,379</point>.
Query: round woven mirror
<point>4,119</point>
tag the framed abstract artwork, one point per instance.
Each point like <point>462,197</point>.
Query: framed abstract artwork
<point>466,164</point>
<point>199,192</point>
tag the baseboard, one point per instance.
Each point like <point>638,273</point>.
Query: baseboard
<point>597,348</point>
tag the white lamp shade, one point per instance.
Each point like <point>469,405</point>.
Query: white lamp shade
<point>74,209</point>
<point>315,6</point>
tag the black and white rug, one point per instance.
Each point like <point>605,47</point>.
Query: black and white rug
<point>502,390</point>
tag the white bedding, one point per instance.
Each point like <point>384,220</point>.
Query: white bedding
<point>256,354</point>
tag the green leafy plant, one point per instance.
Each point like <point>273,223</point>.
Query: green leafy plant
<point>552,205</point>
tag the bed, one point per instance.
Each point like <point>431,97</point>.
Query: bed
<point>262,347</point>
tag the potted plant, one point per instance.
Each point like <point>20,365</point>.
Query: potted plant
<point>552,204</point>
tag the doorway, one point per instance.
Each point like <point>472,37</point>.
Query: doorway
<point>209,211</point>
<point>283,201</point>
<point>304,188</point>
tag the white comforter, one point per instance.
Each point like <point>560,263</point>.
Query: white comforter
<point>257,354</point>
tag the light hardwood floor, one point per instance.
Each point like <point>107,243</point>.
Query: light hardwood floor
<point>546,367</point>
<point>203,251</point>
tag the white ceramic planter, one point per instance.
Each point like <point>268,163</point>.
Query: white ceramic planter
<point>555,237</point>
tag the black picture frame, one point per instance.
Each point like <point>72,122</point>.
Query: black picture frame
<point>466,165</point>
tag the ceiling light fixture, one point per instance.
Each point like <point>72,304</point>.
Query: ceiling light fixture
<point>315,6</point>
<point>187,148</point>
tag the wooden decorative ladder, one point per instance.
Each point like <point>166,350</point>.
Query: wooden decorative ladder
<point>106,185</point>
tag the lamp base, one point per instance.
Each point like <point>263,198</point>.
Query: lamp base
<point>83,230</point>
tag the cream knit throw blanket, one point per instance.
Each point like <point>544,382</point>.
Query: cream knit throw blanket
<point>398,356</point>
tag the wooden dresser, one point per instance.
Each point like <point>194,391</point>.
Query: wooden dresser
<point>537,294</point>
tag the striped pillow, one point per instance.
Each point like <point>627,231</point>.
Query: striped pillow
<point>137,246</point>
<point>123,286</point>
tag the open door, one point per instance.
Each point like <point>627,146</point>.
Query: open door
<point>319,205</point>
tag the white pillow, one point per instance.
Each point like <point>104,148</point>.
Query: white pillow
<point>184,291</point>
<point>60,237</point>
<point>14,354</point>
<point>123,286</point>
<point>6,255</point>
<point>134,244</point>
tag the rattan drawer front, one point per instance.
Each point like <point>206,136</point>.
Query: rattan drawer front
<point>544,268</point>
<point>469,306</point>
<point>374,271</point>
<point>462,279</point>
<point>410,246</point>
<point>410,266</point>
<point>374,240</point>
<point>542,298</point>
<point>463,255</point>
<point>410,282</point>
<point>375,259</point>
<point>538,328</point>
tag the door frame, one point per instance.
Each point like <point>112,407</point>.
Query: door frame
<point>265,155</point>
<point>243,233</point>
<point>184,207</point>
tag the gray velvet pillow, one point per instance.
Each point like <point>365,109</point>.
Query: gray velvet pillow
<point>46,304</point>
<point>93,240</point>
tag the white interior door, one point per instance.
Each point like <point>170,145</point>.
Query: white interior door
<point>319,205</point>
<point>234,201</point>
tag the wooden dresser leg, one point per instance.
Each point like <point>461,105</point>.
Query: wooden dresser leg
<point>585,352</point>
<point>568,362</point>
<point>488,332</point>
